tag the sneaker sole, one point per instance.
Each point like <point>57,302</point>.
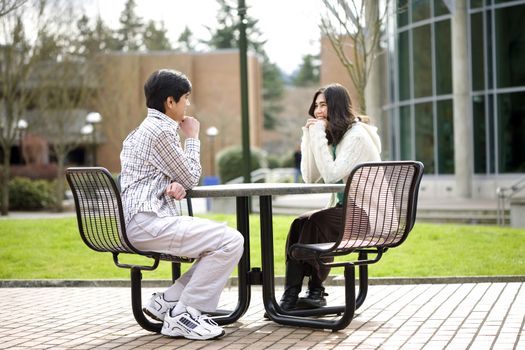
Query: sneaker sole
<point>153,316</point>
<point>193,338</point>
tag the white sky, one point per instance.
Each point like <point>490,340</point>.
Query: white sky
<point>291,27</point>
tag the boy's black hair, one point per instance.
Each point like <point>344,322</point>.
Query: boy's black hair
<point>162,84</point>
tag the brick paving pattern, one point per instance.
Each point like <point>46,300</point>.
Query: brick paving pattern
<point>423,316</point>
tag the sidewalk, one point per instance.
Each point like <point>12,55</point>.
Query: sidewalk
<point>423,316</point>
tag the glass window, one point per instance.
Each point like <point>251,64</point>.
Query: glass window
<point>479,135</point>
<point>440,8</point>
<point>478,58</point>
<point>443,58</point>
<point>510,46</point>
<point>422,61</point>
<point>425,136</point>
<point>404,66</point>
<point>445,135</point>
<point>402,13</point>
<point>511,132</point>
<point>405,140</point>
<point>420,10</point>
<point>476,3</point>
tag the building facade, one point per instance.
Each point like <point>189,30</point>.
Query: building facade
<point>215,99</point>
<point>454,92</point>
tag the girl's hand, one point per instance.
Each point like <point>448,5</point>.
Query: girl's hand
<point>176,191</point>
<point>312,121</point>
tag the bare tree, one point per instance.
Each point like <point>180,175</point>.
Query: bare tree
<point>6,6</point>
<point>354,29</point>
<point>23,53</point>
<point>65,92</point>
<point>18,56</point>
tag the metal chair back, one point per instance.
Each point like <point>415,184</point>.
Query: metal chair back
<point>380,203</point>
<point>100,215</point>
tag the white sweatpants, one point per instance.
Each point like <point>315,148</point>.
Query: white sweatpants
<point>216,247</point>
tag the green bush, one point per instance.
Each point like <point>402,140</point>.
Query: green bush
<point>288,160</point>
<point>273,161</point>
<point>230,162</point>
<point>27,194</point>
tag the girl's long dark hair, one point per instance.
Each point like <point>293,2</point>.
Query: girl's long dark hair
<point>340,113</point>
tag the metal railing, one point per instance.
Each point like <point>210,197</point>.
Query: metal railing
<point>504,194</point>
<point>268,175</point>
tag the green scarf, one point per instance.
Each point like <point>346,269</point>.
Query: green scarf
<point>340,195</point>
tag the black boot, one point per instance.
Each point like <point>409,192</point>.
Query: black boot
<point>292,285</point>
<point>315,296</point>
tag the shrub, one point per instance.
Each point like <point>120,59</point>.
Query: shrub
<point>27,194</point>
<point>230,162</point>
<point>273,161</point>
<point>288,160</point>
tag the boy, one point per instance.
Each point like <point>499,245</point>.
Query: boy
<point>156,171</point>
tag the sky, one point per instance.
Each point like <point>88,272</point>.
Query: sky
<point>291,27</point>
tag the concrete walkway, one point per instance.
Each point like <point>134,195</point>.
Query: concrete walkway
<point>422,316</point>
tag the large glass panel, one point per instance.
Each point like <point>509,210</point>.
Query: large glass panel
<point>478,59</point>
<point>425,136</point>
<point>476,3</point>
<point>445,134</point>
<point>511,132</point>
<point>422,58</point>
<point>479,135</point>
<point>402,13</point>
<point>420,10</point>
<point>488,42</point>
<point>443,58</point>
<point>510,46</point>
<point>491,122</point>
<point>440,8</point>
<point>404,66</point>
<point>405,139</point>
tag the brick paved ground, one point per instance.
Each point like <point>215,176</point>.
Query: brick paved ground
<point>424,316</point>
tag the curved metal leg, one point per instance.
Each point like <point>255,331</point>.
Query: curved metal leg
<point>136,303</point>
<point>296,317</point>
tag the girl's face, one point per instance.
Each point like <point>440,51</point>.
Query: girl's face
<point>321,109</point>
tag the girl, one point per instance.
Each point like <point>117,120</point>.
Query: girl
<point>334,141</point>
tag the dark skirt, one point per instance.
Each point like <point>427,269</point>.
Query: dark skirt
<point>319,226</point>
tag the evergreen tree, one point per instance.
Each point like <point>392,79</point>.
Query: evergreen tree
<point>226,35</point>
<point>131,28</point>
<point>185,40</point>
<point>308,73</point>
<point>156,39</point>
<point>92,41</point>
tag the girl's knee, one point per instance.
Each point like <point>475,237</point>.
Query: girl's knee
<point>235,241</point>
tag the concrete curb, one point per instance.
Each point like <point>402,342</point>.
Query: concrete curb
<point>279,281</point>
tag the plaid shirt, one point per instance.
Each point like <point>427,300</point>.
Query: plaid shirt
<point>152,157</point>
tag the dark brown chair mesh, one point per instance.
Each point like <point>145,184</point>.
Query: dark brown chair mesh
<point>380,200</point>
<point>100,215</point>
<point>379,208</point>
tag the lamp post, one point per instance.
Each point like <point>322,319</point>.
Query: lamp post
<point>21,126</point>
<point>212,132</point>
<point>93,119</point>
<point>86,132</point>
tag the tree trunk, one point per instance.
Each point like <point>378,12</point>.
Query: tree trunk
<point>5,182</point>
<point>59,188</point>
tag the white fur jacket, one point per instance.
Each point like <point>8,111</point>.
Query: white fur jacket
<point>360,144</point>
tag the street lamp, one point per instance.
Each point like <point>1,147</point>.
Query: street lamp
<point>212,132</point>
<point>93,119</point>
<point>87,131</point>
<point>21,126</point>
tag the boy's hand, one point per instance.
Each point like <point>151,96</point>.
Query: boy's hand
<point>190,127</point>
<point>176,191</point>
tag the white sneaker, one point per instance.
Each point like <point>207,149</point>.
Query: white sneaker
<point>157,307</point>
<point>191,324</point>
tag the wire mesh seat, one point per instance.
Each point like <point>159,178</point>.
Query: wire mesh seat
<point>379,211</point>
<point>101,224</point>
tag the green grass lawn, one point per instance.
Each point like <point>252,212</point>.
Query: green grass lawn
<point>53,249</point>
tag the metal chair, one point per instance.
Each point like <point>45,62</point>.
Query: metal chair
<point>379,211</point>
<point>102,228</point>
